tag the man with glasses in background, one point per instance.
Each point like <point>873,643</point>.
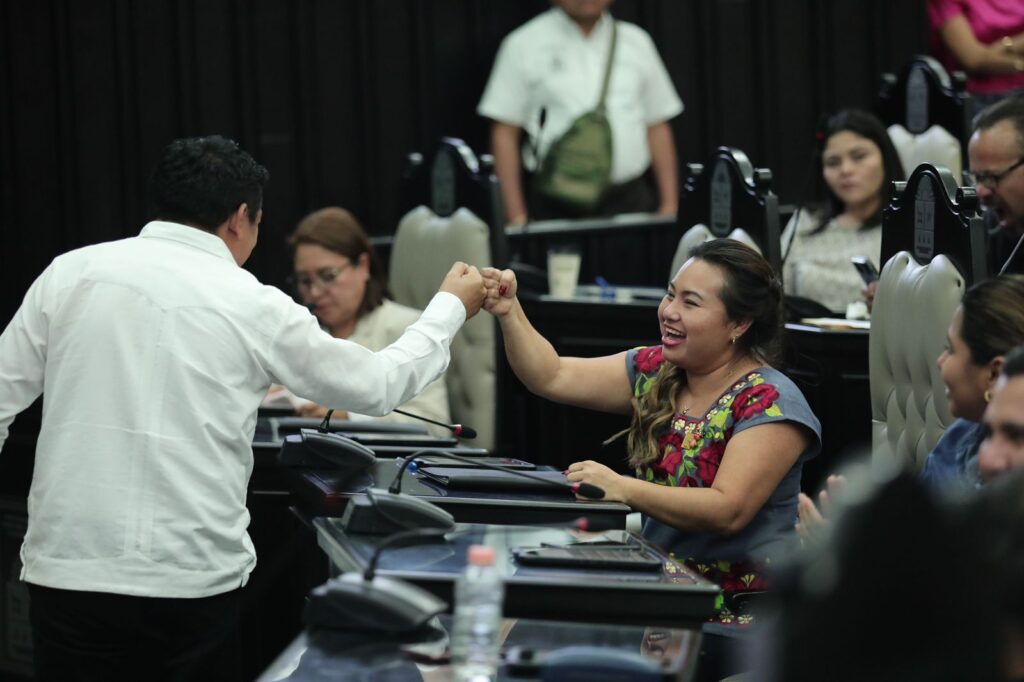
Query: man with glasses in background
<point>996,156</point>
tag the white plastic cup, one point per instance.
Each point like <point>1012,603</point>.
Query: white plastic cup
<point>563,273</point>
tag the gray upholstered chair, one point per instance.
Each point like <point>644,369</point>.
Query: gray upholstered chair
<point>927,110</point>
<point>426,243</point>
<point>932,235</point>
<point>698,234</point>
<point>728,198</point>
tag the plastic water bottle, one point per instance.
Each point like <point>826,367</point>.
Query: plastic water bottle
<point>479,594</point>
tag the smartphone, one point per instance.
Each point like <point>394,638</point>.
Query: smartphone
<point>867,270</point>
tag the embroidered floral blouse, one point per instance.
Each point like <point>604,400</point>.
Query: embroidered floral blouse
<point>692,449</point>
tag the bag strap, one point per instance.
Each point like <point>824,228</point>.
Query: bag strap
<point>608,66</point>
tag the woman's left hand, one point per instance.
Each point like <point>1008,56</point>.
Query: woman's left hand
<point>614,485</point>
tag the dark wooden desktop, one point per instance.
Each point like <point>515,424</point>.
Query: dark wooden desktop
<point>318,493</point>
<point>317,655</point>
<point>673,595</point>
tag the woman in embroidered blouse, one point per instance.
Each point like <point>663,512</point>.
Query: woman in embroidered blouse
<point>718,437</point>
<point>854,164</point>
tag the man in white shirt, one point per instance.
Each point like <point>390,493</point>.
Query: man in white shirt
<point>551,68</point>
<point>153,354</point>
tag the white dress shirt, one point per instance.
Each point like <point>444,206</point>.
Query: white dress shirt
<point>379,328</point>
<point>152,354</point>
<point>548,63</point>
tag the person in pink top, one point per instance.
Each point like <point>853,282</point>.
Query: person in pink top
<point>985,38</point>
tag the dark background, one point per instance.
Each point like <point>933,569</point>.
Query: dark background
<point>332,94</point>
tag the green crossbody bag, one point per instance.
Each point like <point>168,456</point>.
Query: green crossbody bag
<point>577,169</point>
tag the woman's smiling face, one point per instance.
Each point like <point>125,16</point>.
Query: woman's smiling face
<point>696,331</point>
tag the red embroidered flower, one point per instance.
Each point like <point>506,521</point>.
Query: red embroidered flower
<point>708,460</point>
<point>669,464</point>
<point>689,482</point>
<point>754,401</point>
<point>648,359</point>
<point>671,439</point>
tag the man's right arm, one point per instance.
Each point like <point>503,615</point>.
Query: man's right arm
<point>508,168</point>
<point>23,356</point>
<point>344,375</point>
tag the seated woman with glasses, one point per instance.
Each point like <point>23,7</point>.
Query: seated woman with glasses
<point>338,275</point>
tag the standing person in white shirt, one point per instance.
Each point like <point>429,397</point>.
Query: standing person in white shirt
<point>551,68</point>
<point>153,354</point>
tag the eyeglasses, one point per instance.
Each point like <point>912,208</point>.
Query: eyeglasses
<point>990,180</point>
<point>325,277</point>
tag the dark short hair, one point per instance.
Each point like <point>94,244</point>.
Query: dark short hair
<point>993,317</point>
<point>1013,365</point>
<point>752,291</point>
<point>1009,109</point>
<point>337,230</point>
<point>201,181</point>
<point>868,126</point>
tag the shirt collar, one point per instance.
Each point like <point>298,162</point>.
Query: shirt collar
<point>184,234</point>
<point>600,28</point>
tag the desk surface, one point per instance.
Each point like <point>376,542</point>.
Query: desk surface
<point>324,495</point>
<point>323,655</point>
<point>674,596</point>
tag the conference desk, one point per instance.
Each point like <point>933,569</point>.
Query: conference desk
<point>321,655</point>
<point>634,248</point>
<point>319,493</point>
<point>648,241</point>
<point>674,596</point>
<point>830,365</point>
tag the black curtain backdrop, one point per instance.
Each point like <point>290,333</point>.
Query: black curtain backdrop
<point>332,94</point>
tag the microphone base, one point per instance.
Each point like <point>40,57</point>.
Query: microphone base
<point>384,513</point>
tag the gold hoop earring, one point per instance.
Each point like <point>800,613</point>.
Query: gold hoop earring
<point>734,340</point>
<point>988,396</point>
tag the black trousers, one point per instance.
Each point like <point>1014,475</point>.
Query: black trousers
<point>86,636</point>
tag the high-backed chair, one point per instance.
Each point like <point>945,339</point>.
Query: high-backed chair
<point>927,112</point>
<point>730,198</point>
<point>428,240</point>
<point>933,246</point>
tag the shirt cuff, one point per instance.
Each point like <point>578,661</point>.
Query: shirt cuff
<point>447,309</point>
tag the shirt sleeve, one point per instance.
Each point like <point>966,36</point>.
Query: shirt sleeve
<point>660,100</point>
<point>774,398</point>
<point>23,348</point>
<point>506,97</point>
<point>642,366</point>
<point>344,375</point>
<point>941,11</point>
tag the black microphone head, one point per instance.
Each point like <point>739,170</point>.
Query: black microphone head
<point>382,604</point>
<point>463,431</point>
<point>588,490</point>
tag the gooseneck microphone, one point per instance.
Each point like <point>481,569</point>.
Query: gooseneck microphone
<point>458,429</point>
<point>585,489</point>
